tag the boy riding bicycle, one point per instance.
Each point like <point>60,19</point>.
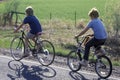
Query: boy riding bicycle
<point>100,34</point>
<point>35,27</point>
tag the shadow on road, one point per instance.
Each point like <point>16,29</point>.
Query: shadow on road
<point>29,72</point>
<point>78,76</point>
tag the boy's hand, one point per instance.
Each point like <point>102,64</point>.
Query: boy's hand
<point>76,36</point>
<point>15,31</point>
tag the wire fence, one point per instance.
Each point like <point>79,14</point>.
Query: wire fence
<point>17,17</point>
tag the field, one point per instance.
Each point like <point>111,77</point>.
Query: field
<point>62,15</point>
<point>60,27</point>
<point>63,9</point>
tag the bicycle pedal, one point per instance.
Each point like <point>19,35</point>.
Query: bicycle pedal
<point>35,55</point>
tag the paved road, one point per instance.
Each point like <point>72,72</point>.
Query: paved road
<point>31,70</point>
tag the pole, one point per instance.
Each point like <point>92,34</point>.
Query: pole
<point>75,18</point>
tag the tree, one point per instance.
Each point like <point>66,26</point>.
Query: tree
<point>9,7</point>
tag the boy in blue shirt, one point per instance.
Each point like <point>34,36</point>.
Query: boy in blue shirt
<point>100,34</point>
<point>35,27</point>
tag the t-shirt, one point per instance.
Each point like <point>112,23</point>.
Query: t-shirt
<point>98,28</point>
<point>34,24</point>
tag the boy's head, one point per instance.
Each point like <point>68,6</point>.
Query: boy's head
<point>93,13</point>
<point>29,11</point>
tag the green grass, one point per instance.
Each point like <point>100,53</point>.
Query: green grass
<point>63,9</point>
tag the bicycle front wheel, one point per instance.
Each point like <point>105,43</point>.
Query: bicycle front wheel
<point>46,53</point>
<point>73,61</point>
<point>103,67</point>
<point>17,48</point>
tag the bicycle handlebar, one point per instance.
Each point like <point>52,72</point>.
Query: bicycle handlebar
<point>77,38</point>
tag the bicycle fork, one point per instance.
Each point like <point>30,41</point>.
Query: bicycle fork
<point>78,52</point>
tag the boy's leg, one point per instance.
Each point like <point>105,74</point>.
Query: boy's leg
<point>89,44</point>
<point>87,48</point>
<point>29,36</point>
<point>97,45</point>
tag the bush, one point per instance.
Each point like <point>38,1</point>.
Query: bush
<point>113,16</point>
<point>9,6</point>
<point>113,25</point>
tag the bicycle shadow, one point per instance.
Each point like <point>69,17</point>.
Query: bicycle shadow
<point>78,76</point>
<point>29,72</point>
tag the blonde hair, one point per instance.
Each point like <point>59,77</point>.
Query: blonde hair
<point>29,10</point>
<point>94,13</point>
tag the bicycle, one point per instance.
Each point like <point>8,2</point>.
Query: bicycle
<point>102,64</point>
<point>43,50</point>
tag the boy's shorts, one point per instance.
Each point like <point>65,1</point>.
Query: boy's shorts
<point>30,35</point>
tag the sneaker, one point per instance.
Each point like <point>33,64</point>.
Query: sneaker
<point>46,52</point>
<point>84,62</point>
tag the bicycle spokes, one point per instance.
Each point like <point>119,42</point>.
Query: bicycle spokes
<point>46,53</point>
<point>103,67</point>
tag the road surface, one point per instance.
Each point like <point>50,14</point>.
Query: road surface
<point>32,70</point>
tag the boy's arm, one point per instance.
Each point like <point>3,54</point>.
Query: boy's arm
<point>18,28</point>
<point>82,32</point>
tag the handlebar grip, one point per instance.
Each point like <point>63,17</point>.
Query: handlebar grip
<point>90,35</point>
<point>77,40</point>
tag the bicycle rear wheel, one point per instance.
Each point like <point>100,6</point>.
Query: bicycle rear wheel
<point>17,48</point>
<point>103,67</point>
<point>73,60</point>
<point>46,53</point>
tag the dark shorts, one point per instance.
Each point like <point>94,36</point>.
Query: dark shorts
<point>30,35</point>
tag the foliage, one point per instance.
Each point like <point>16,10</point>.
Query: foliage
<point>112,21</point>
<point>113,16</point>
<point>11,5</point>
<point>7,7</point>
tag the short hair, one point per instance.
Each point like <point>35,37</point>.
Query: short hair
<point>93,13</point>
<point>29,10</point>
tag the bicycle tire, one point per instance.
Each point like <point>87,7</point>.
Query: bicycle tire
<point>103,66</point>
<point>73,55</point>
<point>47,55</point>
<point>17,48</point>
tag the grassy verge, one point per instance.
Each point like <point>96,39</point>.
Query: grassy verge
<point>62,44</point>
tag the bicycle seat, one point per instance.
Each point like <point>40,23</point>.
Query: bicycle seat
<point>39,33</point>
<point>98,47</point>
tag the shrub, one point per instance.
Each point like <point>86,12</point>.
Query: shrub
<point>9,6</point>
<point>113,25</point>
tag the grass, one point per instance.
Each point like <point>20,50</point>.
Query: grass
<point>63,9</point>
<point>62,45</point>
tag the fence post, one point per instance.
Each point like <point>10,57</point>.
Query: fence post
<point>50,23</point>
<point>75,18</point>
<point>50,15</point>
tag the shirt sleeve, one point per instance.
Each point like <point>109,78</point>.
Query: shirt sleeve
<point>25,21</point>
<point>89,25</point>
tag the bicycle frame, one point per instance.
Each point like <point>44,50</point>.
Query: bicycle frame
<point>95,51</point>
<point>30,45</point>
<point>79,46</point>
